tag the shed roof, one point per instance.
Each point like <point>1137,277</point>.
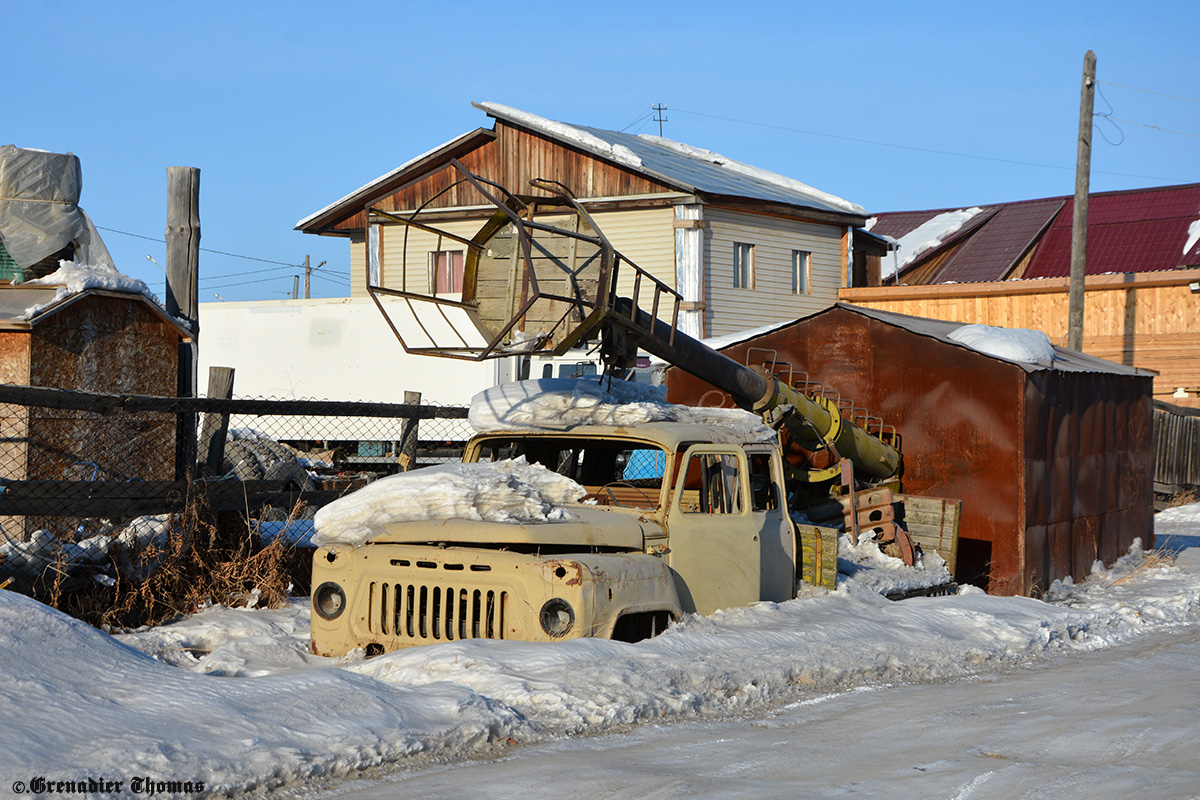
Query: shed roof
<point>1064,360</point>
<point>1141,230</point>
<point>16,301</point>
<point>684,167</point>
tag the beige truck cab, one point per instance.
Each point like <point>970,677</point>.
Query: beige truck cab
<point>678,518</point>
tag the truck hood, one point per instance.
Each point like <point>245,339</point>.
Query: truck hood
<point>592,526</point>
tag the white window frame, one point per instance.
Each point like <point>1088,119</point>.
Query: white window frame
<point>743,265</point>
<point>801,272</point>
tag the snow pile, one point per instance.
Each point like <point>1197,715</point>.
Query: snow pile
<point>561,130</point>
<point>73,278</point>
<point>865,566</point>
<point>930,234</point>
<point>302,717</point>
<point>93,554</point>
<point>559,404</point>
<point>1192,237</point>
<point>756,173</point>
<point>498,491</point>
<point>1014,344</point>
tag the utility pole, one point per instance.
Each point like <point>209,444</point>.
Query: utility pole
<point>1079,223</point>
<point>659,108</point>
<point>183,296</point>
<point>308,271</point>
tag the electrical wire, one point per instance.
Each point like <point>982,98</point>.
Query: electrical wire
<point>1149,91</point>
<point>918,149</point>
<point>649,110</point>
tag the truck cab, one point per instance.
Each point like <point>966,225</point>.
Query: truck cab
<point>677,518</point>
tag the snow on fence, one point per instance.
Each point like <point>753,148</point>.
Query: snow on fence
<point>77,468</point>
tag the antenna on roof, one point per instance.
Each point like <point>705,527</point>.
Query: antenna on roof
<point>659,108</point>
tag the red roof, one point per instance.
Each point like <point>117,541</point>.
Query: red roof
<point>1141,230</point>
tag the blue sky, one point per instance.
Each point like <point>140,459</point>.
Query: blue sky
<point>286,107</point>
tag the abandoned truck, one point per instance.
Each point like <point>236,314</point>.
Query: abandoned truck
<point>678,517</point>
<point>684,516</point>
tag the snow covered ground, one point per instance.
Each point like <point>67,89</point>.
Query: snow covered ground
<point>231,698</point>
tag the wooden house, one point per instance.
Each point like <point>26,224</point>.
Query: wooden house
<point>742,245</point>
<point>1008,265</point>
<point>1053,464</point>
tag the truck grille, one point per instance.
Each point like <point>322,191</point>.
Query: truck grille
<point>428,613</point>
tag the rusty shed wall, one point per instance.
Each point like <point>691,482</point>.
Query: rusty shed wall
<point>1088,471</point>
<point>103,344</point>
<point>958,413</point>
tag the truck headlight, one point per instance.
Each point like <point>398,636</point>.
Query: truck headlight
<point>329,600</point>
<point>557,617</point>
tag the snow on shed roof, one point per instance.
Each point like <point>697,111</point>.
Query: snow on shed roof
<point>1064,360</point>
<point>690,168</point>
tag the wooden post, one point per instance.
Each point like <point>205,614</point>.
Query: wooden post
<point>307,277</point>
<point>183,295</point>
<point>408,436</point>
<point>1083,166</point>
<point>216,426</point>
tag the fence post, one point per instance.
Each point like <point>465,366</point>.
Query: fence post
<point>216,426</point>
<point>408,435</point>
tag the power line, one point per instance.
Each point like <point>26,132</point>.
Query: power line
<point>918,149</point>
<point>1148,125</point>
<point>1149,91</point>
<point>205,249</point>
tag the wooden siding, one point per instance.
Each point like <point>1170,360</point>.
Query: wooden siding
<point>513,158</point>
<point>774,238</point>
<point>1145,320</point>
<point>645,236</point>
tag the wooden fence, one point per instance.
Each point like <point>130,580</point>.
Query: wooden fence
<point>1176,449</point>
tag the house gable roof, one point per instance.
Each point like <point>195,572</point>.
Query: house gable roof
<point>1143,230</point>
<point>664,163</point>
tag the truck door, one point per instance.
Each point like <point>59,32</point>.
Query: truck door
<point>715,547</point>
<point>768,507</point>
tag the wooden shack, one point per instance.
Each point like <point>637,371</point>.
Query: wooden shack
<point>1054,466</point>
<point>98,341</point>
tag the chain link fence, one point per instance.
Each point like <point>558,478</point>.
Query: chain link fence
<point>87,478</point>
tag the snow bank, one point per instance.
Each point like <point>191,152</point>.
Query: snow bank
<point>1014,344</point>
<point>301,717</point>
<point>90,556</point>
<point>559,404</point>
<point>497,491</point>
<point>925,237</point>
<point>73,278</point>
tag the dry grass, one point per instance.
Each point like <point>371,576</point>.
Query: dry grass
<point>1182,499</point>
<point>1152,560</point>
<point>205,558</point>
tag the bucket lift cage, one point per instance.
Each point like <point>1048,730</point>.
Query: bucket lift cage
<point>528,285</point>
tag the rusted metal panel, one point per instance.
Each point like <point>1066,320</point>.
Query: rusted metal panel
<point>1015,446</point>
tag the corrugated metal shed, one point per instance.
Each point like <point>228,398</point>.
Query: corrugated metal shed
<point>1054,466</point>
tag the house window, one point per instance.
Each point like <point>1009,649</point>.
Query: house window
<point>743,266</point>
<point>445,271</point>
<point>801,272</point>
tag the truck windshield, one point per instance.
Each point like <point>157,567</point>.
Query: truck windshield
<point>614,473</point>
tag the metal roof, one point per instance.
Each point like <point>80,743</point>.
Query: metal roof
<point>1064,360</point>
<point>1142,230</point>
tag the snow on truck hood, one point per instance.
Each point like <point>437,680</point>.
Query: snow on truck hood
<point>578,527</point>
<point>509,491</point>
<point>560,404</point>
